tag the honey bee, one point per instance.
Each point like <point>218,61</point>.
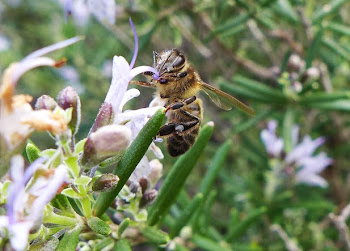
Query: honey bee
<point>177,85</point>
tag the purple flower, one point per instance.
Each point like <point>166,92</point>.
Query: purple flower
<point>307,167</point>
<point>26,202</point>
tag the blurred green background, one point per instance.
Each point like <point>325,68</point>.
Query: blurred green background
<point>245,48</point>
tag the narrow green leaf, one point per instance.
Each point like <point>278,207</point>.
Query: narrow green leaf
<point>178,175</point>
<point>288,123</point>
<point>186,215</point>
<point>33,152</point>
<point>260,88</point>
<point>341,105</point>
<point>104,244</point>
<point>208,244</point>
<point>99,226</point>
<point>286,10</point>
<point>179,247</point>
<point>122,226</point>
<point>337,48</point>
<point>230,24</point>
<point>155,235</point>
<point>242,226</point>
<point>250,122</point>
<point>313,50</point>
<point>214,168</point>
<point>129,161</point>
<point>326,9</point>
<point>340,28</point>
<point>324,97</point>
<point>122,245</point>
<point>49,244</point>
<point>70,240</point>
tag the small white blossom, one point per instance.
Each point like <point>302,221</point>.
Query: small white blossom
<point>118,95</point>
<point>306,166</point>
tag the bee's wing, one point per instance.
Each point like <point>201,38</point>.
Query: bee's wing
<point>224,100</point>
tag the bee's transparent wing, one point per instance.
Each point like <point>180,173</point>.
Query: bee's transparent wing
<point>224,100</point>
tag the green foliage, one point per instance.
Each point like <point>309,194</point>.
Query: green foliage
<point>287,59</point>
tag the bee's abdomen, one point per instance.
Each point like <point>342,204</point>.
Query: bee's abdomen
<point>179,144</point>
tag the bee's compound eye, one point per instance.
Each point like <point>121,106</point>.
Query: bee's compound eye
<point>179,61</point>
<point>163,81</point>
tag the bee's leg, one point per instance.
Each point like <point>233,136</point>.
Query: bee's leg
<point>142,83</point>
<point>181,104</point>
<point>178,128</point>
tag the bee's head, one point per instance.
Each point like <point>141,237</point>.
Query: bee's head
<point>168,61</point>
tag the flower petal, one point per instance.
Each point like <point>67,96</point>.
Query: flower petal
<point>314,164</point>
<point>119,84</point>
<point>311,179</point>
<point>130,94</point>
<point>304,149</point>
<point>273,144</point>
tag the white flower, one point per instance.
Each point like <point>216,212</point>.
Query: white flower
<point>307,166</point>
<point>118,95</point>
<point>26,204</point>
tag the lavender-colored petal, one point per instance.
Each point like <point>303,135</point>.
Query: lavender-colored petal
<point>156,151</point>
<point>311,179</point>
<point>29,64</point>
<point>136,41</point>
<point>141,170</point>
<point>103,10</point>
<point>140,69</point>
<point>304,149</point>
<point>136,114</point>
<point>271,126</point>
<point>19,233</point>
<point>119,84</point>
<point>15,189</point>
<point>130,94</point>
<point>32,168</point>
<point>273,144</point>
<point>52,187</point>
<point>52,48</point>
<point>314,164</point>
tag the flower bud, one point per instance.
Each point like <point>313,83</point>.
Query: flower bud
<point>68,98</point>
<point>106,142</point>
<point>105,183</point>
<point>312,73</point>
<point>133,187</point>
<point>156,169</point>
<point>144,184</point>
<point>104,117</point>
<point>295,63</point>
<point>148,197</point>
<point>45,102</point>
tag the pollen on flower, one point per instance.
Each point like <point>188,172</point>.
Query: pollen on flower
<point>45,120</point>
